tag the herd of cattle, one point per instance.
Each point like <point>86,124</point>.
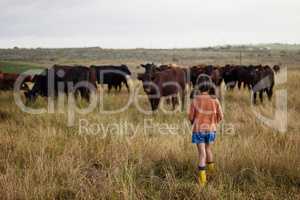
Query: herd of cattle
<point>158,81</point>
<point>257,78</point>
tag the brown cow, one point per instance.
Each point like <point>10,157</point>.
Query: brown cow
<point>166,83</point>
<point>7,81</point>
<point>151,67</point>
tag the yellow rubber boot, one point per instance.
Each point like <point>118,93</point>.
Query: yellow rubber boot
<point>202,178</point>
<point>211,168</point>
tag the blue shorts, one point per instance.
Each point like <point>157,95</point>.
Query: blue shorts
<point>206,137</point>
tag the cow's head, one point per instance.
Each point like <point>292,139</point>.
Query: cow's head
<point>149,68</point>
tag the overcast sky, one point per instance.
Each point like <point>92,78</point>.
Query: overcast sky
<point>147,23</point>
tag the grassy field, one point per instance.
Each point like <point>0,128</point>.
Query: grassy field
<point>17,67</point>
<point>42,158</point>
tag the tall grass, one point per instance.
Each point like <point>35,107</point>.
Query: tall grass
<point>42,158</point>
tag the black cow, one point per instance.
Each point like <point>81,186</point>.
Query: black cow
<point>244,75</point>
<point>112,75</point>
<point>262,81</point>
<point>230,76</point>
<point>61,78</point>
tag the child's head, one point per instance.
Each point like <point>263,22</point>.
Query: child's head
<point>205,84</point>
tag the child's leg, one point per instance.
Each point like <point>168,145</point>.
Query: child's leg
<point>209,154</point>
<point>201,154</point>
<point>209,158</point>
<point>202,163</point>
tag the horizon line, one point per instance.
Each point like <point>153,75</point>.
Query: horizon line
<point>152,48</point>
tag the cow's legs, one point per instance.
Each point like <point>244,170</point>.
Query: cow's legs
<point>88,96</point>
<point>254,97</point>
<point>154,103</point>
<point>119,87</point>
<point>270,93</point>
<point>81,92</point>
<point>115,85</point>
<point>168,101</point>
<point>85,93</point>
<point>109,87</point>
<point>126,84</point>
<point>261,95</point>
<point>75,93</point>
<point>239,84</point>
<point>182,99</point>
<point>249,86</point>
<point>174,100</point>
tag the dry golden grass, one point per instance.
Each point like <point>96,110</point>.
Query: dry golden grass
<point>42,158</point>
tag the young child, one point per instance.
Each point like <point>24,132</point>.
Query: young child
<point>205,113</point>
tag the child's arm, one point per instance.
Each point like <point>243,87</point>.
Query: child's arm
<point>219,111</point>
<point>191,115</point>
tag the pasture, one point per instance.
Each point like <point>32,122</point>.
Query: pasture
<point>10,67</point>
<point>132,155</point>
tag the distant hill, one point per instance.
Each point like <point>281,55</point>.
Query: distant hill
<point>275,53</point>
<point>270,46</point>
